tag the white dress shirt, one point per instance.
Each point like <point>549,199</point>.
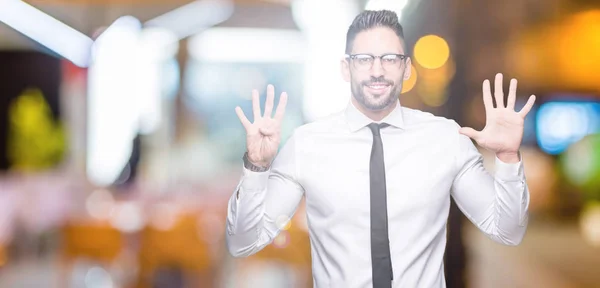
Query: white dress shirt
<point>426,161</point>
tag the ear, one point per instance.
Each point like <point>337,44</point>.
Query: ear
<point>345,69</point>
<point>407,69</point>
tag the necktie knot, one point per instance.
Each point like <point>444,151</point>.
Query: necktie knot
<point>375,128</point>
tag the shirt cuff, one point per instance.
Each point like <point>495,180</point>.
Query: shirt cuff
<point>509,171</point>
<point>255,181</point>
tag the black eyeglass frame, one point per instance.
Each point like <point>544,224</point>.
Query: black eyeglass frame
<point>402,58</point>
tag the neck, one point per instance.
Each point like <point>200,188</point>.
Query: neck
<point>375,115</point>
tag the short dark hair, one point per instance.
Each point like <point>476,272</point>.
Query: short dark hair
<point>370,19</point>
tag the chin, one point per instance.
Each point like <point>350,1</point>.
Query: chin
<point>378,103</point>
<point>374,101</point>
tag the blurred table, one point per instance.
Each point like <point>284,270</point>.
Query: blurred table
<point>551,255</point>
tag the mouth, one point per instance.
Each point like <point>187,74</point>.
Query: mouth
<point>377,88</point>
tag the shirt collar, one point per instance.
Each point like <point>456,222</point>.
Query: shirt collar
<point>357,120</point>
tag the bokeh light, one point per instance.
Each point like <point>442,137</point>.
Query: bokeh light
<point>98,277</point>
<point>282,240</point>
<point>549,67</point>
<point>581,164</point>
<point>127,217</point>
<point>559,124</point>
<point>164,216</point>
<point>589,223</point>
<point>583,59</point>
<point>100,204</point>
<point>431,51</point>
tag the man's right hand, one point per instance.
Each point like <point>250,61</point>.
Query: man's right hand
<point>264,135</point>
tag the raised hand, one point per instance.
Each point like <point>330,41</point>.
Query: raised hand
<point>264,134</point>
<point>503,131</point>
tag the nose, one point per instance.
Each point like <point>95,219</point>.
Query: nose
<point>377,69</point>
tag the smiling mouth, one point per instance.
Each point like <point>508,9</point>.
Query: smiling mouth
<point>378,87</point>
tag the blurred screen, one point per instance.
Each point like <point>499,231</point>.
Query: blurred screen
<point>560,123</point>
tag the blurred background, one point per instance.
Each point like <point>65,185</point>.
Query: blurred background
<point>120,147</point>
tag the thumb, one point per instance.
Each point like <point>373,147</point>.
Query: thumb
<point>469,132</point>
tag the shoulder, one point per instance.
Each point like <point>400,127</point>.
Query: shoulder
<point>439,129</point>
<point>426,120</point>
<point>327,124</point>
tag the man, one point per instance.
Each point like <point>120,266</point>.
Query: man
<point>379,219</point>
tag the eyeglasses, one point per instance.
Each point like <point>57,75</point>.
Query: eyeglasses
<point>389,62</point>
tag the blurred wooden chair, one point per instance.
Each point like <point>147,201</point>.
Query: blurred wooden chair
<point>177,248</point>
<point>96,241</point>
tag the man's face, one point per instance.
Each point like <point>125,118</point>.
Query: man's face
<point>376,86</point>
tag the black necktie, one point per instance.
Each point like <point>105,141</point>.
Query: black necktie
<point>380,246</point>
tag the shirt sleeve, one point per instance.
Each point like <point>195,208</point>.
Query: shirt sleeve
<point>496,203</point>
<point>262,203</point>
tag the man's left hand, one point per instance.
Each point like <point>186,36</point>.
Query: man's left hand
<point>503,131</point>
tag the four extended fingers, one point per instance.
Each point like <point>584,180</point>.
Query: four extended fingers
<point>279,113</point>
